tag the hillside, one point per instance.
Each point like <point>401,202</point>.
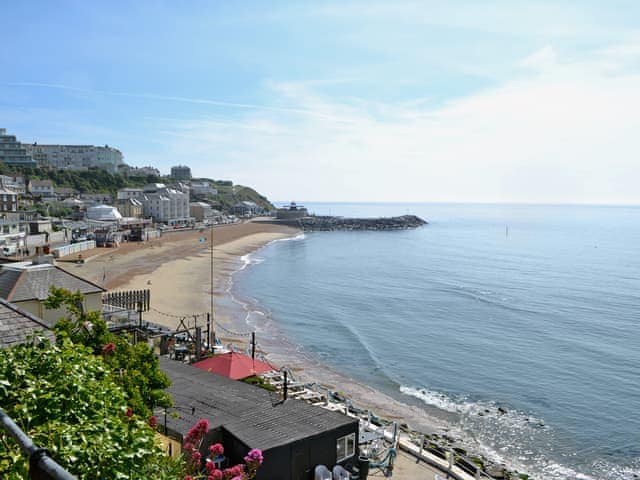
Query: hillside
<point>96,180</point>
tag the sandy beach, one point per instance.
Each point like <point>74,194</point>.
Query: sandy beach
<point>177,270</point>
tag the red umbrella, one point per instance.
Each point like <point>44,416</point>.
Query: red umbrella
<point>233,365</point>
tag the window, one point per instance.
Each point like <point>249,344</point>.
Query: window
<point>346,447</point>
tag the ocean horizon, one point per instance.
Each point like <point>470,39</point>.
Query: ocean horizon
<point>511,323</point>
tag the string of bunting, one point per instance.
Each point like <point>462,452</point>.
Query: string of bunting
<point>231,332</point>
<point>191,315</point>
<point>203,315</point>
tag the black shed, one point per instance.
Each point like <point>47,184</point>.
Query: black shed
<point>293,436</point>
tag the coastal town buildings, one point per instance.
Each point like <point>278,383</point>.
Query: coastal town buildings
<point>42,188</point>
<point>130,207</point>
<point>202,189</point>
<point>126,193</point>
<point>202,211</point>
<point>8,199</point>
<point>12,152</point>
<point>180,173</point>
<point>247,208</point>
<point>27,285</point>
<point>15,183</point>
<point>76,157</point>
<point>165,204</point>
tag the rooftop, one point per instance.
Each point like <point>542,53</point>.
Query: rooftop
<point>244,410</point>
<point>16,325</point>
<point>23,281</point>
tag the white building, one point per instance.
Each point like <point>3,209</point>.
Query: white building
<point>76,157</point>
<point>42,188</point>
<point>127,193</point>
<point>165,205</point>
<point>202,189</point>
<point>15,183</point>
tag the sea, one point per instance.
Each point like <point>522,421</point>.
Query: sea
<point>518,325</point>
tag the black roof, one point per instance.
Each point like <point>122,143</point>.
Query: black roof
<point>244,410</point>
<point>33,283</point>
<point>16,325</point>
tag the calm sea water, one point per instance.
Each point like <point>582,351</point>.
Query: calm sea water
<point>529,308</point>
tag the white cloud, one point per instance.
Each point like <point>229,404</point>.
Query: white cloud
<point>566,133</point>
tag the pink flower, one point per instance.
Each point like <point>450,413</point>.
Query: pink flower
<point>196,456</point>
<point>254,457</point>
<point>237,470</point>
<point>217,475</point>
<point>188,477</point>
<point>129,413</point>
<point>153,421</point>
<point>108,348</point>
<point>216,450</point>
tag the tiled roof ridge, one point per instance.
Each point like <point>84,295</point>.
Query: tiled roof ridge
<point>102,289</point>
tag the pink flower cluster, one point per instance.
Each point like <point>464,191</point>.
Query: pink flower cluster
<point>108,348</point>
<point>254,457</point>
<point>191,446</point>
<point>216,450</point>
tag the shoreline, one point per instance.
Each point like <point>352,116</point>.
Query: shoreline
<point>176,268</point>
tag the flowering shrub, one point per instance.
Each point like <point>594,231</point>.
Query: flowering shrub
<point>209,471</point>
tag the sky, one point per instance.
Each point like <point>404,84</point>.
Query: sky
<point>407,101</point>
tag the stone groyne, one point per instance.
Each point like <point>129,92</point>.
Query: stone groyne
<point>329,223</point>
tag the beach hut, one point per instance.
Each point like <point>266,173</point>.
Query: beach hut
<point>233,365</point>
<point>294,436</point>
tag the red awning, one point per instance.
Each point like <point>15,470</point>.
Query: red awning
<point>233,365</point>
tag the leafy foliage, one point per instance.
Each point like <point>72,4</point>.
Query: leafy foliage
<point>134,367</point>
<point>65,399</point>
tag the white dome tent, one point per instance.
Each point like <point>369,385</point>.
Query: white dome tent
<point>103,213</point>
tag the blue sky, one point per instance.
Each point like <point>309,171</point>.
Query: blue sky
<point>493,101</point>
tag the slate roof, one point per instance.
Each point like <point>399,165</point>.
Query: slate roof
<point>16,325</point>
<point>244,410</point>
<point>33,283</point>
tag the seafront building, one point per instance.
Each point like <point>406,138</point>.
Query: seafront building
<point>160,202</point>
<point>12,152</point>
<point>76,157</point>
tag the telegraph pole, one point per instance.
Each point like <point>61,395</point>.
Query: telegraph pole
<point>211,314</point>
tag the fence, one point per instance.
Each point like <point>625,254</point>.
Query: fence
<point>129,300</point>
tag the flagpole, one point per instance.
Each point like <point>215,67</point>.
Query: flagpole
<point>211,296</point>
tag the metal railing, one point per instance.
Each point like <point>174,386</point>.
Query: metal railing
<point>41,465</point>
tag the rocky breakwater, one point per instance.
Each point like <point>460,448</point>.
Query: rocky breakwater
<point>328,223</point>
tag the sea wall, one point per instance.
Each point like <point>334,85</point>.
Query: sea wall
<point>329,223</point>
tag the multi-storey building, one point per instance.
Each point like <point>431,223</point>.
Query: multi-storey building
<point>13,152</point>
<point>180,173</point>
<point>15,183</point>
<point>130,207</point>
<point>165,204</point>
<point>42,188</point>
<point>76,157</point>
